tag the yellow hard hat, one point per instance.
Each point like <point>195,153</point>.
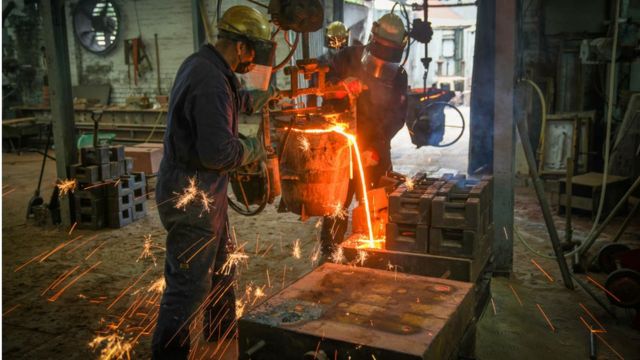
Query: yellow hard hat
<point>336,36</point>
<point>388,38</point>
<point>246,21</point>
<point>243,23</point>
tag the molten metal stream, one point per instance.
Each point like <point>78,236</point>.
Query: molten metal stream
<point>341,129</point>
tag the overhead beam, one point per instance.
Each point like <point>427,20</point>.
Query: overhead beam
<point>59,75</point>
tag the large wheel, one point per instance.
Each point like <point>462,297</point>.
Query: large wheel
<point>625,285</point>
<point>607,256</point>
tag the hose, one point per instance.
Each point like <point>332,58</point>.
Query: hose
<point>543,105</point>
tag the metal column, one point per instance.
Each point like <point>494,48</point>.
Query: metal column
<point>199,36</point>
<point>57,53</point>
<point>504,133</point>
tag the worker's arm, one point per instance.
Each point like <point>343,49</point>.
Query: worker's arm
<point>398,109</point>
<point>210,108</point>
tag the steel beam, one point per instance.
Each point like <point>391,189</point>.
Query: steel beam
<point>58,68</point>
<point>504,133</point>
<point>199,36</point>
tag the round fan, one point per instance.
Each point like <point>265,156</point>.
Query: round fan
<point>96,24</point>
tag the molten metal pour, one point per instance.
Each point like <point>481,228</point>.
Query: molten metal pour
<point>371,242</point>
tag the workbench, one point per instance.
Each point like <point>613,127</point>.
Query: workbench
<point>129,125</point>
<point>23,127</point>
<point>348,312</point>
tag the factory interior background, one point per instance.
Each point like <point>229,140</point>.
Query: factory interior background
<point>508,229</point>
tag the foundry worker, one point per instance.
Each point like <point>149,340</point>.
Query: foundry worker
<point>380,108</point>
<point>336,38</point>
<point>201,143</point>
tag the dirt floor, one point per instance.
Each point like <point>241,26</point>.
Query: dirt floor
<point>43,323</point>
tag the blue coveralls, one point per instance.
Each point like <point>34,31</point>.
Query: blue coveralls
<point>201,142</point>
<point>381,112</point>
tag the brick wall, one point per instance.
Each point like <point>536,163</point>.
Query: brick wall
<point>170,19</point>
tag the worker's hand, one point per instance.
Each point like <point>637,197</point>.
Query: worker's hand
<point>253,150</point>
<point>369,158</point>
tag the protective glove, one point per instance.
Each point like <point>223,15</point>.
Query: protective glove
<point>354,86</point>
<point>259,98</point>
<point>369,158</point>
<point>253,150</point>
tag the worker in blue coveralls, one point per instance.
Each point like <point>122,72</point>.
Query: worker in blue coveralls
<point>380,108</point>
<point>202,143</point>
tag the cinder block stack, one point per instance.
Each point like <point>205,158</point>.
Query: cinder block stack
<point>109,193</point>
<point>448,216</point>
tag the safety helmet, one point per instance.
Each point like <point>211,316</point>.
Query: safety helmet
<point>383,54</point>
<point>243,23</point>
<point>336,36</point>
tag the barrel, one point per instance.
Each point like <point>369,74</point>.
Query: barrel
<point>314,171</point>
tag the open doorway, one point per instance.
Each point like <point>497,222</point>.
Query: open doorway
<point>451,49</point>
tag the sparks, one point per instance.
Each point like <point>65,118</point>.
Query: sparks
<point>258,293</point>
<point>546,318</point>
<point>146,250</point>
<point>362,257</point>
<point>409,184</point>
<point>191,194</point>
<point>115,346</point>
<point>240,305</point>
<point>315,255</point>
<point>233,260</point>
<point>303,143</point>
<point>337,256</point>
<point>296,253</point>
<point>66,187</point>
<point>338,211</point>
<point>157,286</point>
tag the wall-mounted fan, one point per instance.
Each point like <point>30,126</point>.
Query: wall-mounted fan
<point>97,25</point>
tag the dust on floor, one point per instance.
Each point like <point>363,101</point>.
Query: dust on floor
<point>36,327</point>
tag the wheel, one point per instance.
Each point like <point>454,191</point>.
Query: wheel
<point>608,254</point>
<point>249,191</point>
<point>624,284</point>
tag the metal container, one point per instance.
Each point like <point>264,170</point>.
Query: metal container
<point>314,170</point>
<point>346,312</point>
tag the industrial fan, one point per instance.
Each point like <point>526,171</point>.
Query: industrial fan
<point>96,24</point>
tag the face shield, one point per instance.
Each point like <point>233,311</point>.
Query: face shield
<point>378,68</point>
<point>257,74</point>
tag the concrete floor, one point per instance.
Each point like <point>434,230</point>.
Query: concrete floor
<point>36,328</point>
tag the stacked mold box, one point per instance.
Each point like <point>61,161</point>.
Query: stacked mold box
<point>109,193</point>
<point>448,216</point>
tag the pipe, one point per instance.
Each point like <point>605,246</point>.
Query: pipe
<point>568,231</point>
<point>607,144</point>
<point>595,233</point>
<point>544,205</point>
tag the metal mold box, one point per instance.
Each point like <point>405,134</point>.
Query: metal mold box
<point>359,313</point>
